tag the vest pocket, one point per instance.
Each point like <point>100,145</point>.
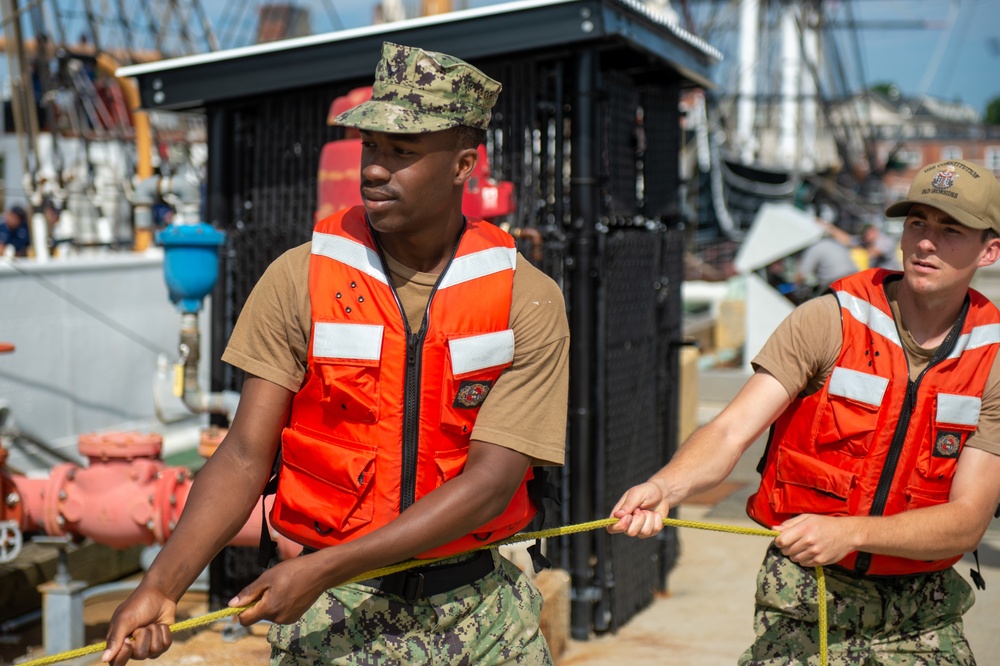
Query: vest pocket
<point>917,498</point>
<point>348,358</point>
<point>351,391</point>
<point>330,481</point>
<point>955,418</point>
<point>938,457</point>
<point>806,485</point>
<point>476,362</point>
<point>450,464</point>
<point>851,414</point>
<point>460,404</point>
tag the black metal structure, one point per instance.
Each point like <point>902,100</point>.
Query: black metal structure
<point>587,128</point>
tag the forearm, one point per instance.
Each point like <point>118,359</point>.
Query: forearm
<point>218,506</point>
<point>943,530</point>
<point>930,533</point>
<point>711,453</point>
<point>226,489</point>
<point>702,463</point>
<point>839,235</point>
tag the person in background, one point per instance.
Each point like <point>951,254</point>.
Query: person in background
<point>822,263</point>
<point>879,247</point>
<point>883,460</point>
<point>14,236</point>
<point>882,250</point>
<point>413,367</point>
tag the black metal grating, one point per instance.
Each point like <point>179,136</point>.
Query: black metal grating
<point>630,261</point>
<point>660,149</point>
<point>276,148</point>
<point>619,145</point>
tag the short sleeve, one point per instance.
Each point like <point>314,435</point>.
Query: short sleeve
<point>271,336</point>
<point>803,349</point>
<point>987,435</point>
<point>526,409</point>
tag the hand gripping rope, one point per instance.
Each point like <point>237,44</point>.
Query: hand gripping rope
<point>517,538</point>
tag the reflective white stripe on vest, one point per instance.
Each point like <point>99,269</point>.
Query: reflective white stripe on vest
<point>478,352</point>
<point>351,253</point>
<point>479,264</point>
<point>869,315</point>
<point>353,342</point>
<point>958,409</point>
<point>858,386</point>
<point>980,336</point>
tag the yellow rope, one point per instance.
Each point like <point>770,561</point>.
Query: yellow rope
<point>821,600</point>
<point>517,538</point>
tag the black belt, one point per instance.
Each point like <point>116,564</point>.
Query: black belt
<point>431,579</point>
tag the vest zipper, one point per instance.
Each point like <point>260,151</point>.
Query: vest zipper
<point>411,383</point>
<point>863,562</point>
<point>411,416</point>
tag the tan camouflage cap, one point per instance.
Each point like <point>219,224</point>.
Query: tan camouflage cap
<point>418,91</point>
<point>966,191</point>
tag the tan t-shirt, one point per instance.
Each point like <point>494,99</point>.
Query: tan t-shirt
<point>526,408</point>
<point>803,349</point>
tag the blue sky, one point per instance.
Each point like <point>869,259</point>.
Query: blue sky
<point>955,55</point>
<point>946,48</point>
<point>958,60</point>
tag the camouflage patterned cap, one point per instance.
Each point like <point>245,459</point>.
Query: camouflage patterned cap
<point>419,91</point>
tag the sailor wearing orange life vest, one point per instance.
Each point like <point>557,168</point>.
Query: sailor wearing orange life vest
<point>370,378</point>
<point>884,456</point>
<point>871,441</point>
<point>413,367</point>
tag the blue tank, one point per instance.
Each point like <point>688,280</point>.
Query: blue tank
<point>190,262</point>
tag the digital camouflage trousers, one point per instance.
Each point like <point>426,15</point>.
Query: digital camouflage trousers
<point>892,621</point>
<point>491,621</point>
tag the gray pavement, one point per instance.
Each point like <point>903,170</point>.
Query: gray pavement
<point>706,617</point>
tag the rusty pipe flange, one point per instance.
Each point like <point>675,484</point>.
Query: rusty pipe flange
<point>165,503</point>
<point>210,439</point>
<point>120,446</point>
<point>11,502</point>
<point>52,517</point>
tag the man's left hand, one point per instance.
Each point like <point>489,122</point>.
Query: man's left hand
<point>812,540</point>
<point>282,593</point>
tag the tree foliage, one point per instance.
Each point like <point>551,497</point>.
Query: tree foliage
<point>888,90</point>
<point>992,115</point>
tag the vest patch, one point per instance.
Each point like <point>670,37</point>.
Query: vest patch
<point>947,444</point>
<point>471,394</point>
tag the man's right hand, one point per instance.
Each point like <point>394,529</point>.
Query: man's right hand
<point>140,627</point>
<point>640,511</point>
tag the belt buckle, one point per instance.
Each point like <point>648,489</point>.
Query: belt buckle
<point>413,586</point>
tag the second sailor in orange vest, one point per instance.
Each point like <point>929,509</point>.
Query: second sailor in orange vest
<point>883,461</point>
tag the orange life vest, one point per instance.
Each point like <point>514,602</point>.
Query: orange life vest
<point>872,442</point>
<point>385,414</point>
